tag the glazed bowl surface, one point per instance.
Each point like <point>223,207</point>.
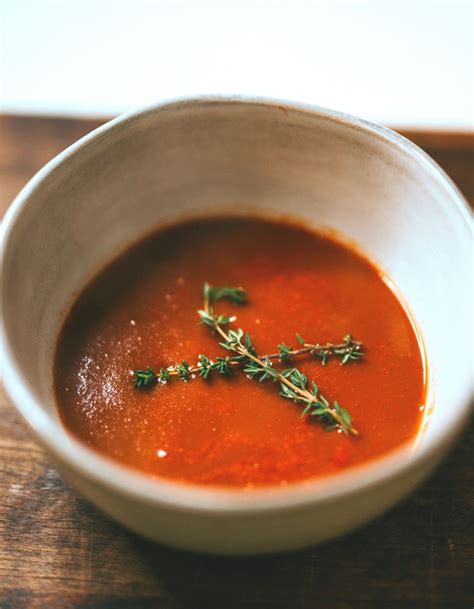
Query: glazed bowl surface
<point>201,157</point>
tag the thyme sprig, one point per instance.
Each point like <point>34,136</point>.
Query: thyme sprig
<point>348,350</point>
<point>294,385</point>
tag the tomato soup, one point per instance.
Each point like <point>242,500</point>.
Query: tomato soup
<point>231,430</point>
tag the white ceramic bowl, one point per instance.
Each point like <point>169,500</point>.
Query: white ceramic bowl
<point>236,155</point>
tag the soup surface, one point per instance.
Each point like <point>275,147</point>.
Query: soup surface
<point>141,311</point>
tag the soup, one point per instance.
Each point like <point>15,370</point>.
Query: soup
<point>138,378</point>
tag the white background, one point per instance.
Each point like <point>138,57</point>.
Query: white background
<point>400,63</point>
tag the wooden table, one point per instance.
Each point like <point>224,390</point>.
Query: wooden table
<point>58,551</point>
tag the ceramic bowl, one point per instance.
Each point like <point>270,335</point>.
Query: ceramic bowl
<point>196,157</point>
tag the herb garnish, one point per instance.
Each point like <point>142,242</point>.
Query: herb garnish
<point>293,384</point>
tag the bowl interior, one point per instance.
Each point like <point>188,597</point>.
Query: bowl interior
<point>194,158</point>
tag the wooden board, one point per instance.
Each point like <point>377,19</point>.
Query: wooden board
<point>58,551</point>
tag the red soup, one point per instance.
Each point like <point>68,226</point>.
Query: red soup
<point>123,389</point>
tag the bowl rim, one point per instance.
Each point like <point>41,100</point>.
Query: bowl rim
<point>215,500</point>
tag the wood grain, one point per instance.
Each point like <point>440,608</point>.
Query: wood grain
<point>59,552</point>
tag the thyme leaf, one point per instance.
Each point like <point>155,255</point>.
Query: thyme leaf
<point>236,295</point>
